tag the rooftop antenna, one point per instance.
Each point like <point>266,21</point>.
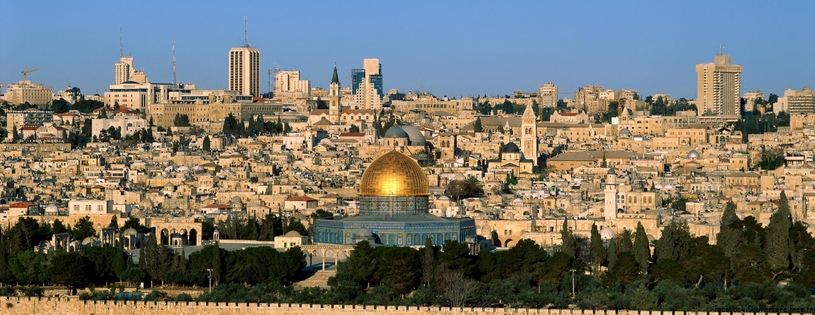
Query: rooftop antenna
<point>121,47</point>
<point>245,33</point>
<point>269,72</point>
<point>174,81</point>
<point>721,49</point>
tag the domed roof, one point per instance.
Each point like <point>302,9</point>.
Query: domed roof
<point>611,171</point>
<point>396,132</point>
<point>292,233</point>
<point>51,208</point>
<point>394,174</point>
<point>606,233</point>
<point>693,154</point>
<point>762,198</point>
<point>414,135</point>
<point>511,148</point>
<point>625,132</point>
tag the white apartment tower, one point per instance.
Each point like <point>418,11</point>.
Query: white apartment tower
<point>122,70</point>
<point>244,70</point>
<point>718,87</point>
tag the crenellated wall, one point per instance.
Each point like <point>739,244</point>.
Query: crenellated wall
<point>28,306</point>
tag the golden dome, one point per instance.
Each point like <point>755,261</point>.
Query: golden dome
<point>394,174</point>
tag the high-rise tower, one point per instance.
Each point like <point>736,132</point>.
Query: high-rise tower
<point>366,84</point>
<point>123,69</point>
<point>718,87</point>
<point>244,68</point>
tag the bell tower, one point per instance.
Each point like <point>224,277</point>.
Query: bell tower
<point>529,138</point>
<point>334,107</point>
<point>610,192</point>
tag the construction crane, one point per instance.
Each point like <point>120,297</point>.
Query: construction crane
<point>25,73</point>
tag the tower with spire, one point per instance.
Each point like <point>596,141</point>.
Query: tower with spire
<point>529,132</point>
<point>334,107</point>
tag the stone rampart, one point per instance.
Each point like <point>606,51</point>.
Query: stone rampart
<point>28,306</point>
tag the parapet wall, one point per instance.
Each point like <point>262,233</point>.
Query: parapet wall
<point>27,306</point>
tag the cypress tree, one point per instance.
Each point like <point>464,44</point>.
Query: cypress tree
<point>569,246</point>
<point>642,251</point>
<point>612,253</point>
<point>729,236</point>
<point>216,263</point>
<point>597,250</point>
<point>207,146</point>
<point>777,244</point>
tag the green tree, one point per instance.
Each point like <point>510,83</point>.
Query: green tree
<point>181,120</point>
<point>777,243</point>
<point>353,128</point>
<point>730,235</point>
<point>597,249</point>
<point>674,243</point>
<point>641,250</point>
<point>84,228</point>
<point>207,145</point>
<point>71,269</point>
<point>477,127</point>
<point>429,261</point>
<point>398,268</point>
<point>569,244</point>
<point>29,267</point>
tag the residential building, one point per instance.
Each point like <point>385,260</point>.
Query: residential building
<point>124,71</point>
<point>28,117</point>
<point>548,97</point>
<point>24,91</point>
<point>89,206</point>
<point>719,87</point>
<point>802,101</point>
<point>288,81</point>
<point>244,70</point>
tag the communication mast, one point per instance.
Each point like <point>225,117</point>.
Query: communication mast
<point>174,81</point>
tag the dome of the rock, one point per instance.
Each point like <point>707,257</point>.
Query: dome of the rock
<point>394,174</point>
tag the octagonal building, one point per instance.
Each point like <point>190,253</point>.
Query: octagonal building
<point>393,210</point>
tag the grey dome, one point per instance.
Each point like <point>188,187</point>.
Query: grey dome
<point>693,154</point>
<point>511,148</point>
<point>625,132</point>
<point>396,132</point>
<point>414,135</point>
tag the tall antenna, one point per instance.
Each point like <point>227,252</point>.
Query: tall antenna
<point>721,49</point>
<point>269,72</point>
<point>174,81</point>
<point>121,47</point>
<point>245,33</point>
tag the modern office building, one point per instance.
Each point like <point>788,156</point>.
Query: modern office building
<point>366,85</point>
<point>244,70</point>
<point>288,81</point>
<point>718,87</point>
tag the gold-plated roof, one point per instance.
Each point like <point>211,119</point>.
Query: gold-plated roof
<point>394,174</point>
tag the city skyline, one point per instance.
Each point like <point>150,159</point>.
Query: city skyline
<point>444,49</point>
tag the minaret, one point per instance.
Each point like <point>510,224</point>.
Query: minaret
<point>610,191</point>
<point>334,107</point>
<point>529,139</point>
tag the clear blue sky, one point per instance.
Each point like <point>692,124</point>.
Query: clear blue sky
<point>456,47</point>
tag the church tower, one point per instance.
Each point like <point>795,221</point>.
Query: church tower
<point>610,192</point>
<point>334,107</point>
<point>529,135</point>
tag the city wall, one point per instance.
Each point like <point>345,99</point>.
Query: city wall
<point>25,305</point>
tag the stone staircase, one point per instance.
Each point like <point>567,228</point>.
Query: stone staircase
<point>318,279</point>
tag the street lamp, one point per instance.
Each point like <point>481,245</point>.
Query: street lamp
<point>209,270</point>
<point>572,270</point>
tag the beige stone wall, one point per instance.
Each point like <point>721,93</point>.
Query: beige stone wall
<point>19,306</point>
